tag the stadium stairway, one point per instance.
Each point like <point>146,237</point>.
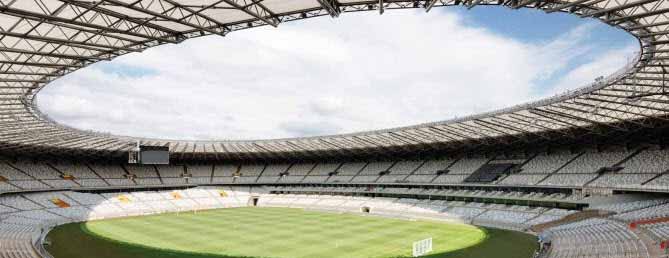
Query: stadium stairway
<point>560,168</point>
<point>655,177</point>
<point>576,217</point>
<point>616,165</point>
<point>654,250</point>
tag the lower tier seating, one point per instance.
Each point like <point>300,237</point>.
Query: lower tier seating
<point>594,238</point>
<point>24,216</point>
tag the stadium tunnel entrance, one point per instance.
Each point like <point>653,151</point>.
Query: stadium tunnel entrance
<point>253,201</point>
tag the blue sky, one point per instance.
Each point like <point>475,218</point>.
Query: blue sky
<point>535,26</point>
<point>531,25</point>
<point>328,76</point>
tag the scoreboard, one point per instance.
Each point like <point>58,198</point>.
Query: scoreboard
<point>154,155</point>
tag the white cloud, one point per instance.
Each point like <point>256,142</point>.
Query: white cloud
<point>608,63</point>
<point>321,76</point>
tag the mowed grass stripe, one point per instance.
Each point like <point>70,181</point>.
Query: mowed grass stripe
<point>389,228</point>
<point>276,232</point>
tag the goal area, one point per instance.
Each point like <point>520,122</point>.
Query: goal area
<point>422,247</point>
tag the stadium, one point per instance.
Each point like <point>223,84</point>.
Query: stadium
<point>581,175</point>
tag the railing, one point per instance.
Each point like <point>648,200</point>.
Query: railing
<point>38,242</point>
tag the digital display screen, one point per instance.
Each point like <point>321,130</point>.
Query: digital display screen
<point>154,155</point>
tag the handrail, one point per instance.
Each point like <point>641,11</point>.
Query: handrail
<point>38,243</point>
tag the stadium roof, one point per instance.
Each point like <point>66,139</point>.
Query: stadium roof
<point>42,40</point>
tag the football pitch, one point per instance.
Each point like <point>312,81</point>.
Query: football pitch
<point>280,233</point>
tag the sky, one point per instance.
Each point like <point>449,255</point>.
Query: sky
<point>320,76</point>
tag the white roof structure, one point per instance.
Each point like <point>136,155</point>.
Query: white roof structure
<point>42,40</point>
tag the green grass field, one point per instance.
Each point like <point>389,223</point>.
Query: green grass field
<point>280,233</point>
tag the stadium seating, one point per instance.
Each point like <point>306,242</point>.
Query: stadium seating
<point>622,180</point>
<point>200,170</point>
<point>467,166</point>
<point>374,168</point>
<point>648,161</point>
<point>642,169</point>
<point>449,179</point>
<point>595,238</point>
<point>522,179</point>
<point>571,179</point>
<point>351,168</point>
<point>624,207</point>
<point>109,171</point>
<point>547,163</point>
<point>655,210</point>
<point>33,211</point>
<point>302,169</point>
<point>659,183</point>
<point>251,170</point>
<point>199,180</point>
<point>142,171</point>
<point>323,169</point>
<point>172,171</point>
<point>591,162</point>
<point>658,231</point>
<point>275,169</point>
<point>38,170</point>
<point>225,170</point>
<point>405,167</point>
<point>302,184</point>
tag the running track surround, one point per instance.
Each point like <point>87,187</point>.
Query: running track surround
<point>42,40</point>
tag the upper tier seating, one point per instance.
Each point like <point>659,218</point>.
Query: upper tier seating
<point>351,168</point>
<point>374,168</point>
<point>590,162</point>
<point>30,185</point>
<point>405,167</point>
<point>10,173</point>
<point>79,171</point>
<point>365,179</point>
<point>623,180</point>
<point>224,170</point>
<point>275,169</point>
<point>251,170</point>
<point>170,171</point>
<point>522,179</point>
<point>323,169</point>
<point>642,171</point>
<point>467,165</point>
<point>660,183</point>
<point>648,161</point>
<point>60,183</point>
<point>420,178</point>
<point>91,182</point>
<point>38,170</point>
<point>546,163</point>
<point>148,181</point>
<point>141,171</point>
<point>568,179</point>
<point>301,169</point>
<point>109,171</point>
<point>199,180</point>
<point>450,179</point>
<point>431,167</point>
<point>200,170</point>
